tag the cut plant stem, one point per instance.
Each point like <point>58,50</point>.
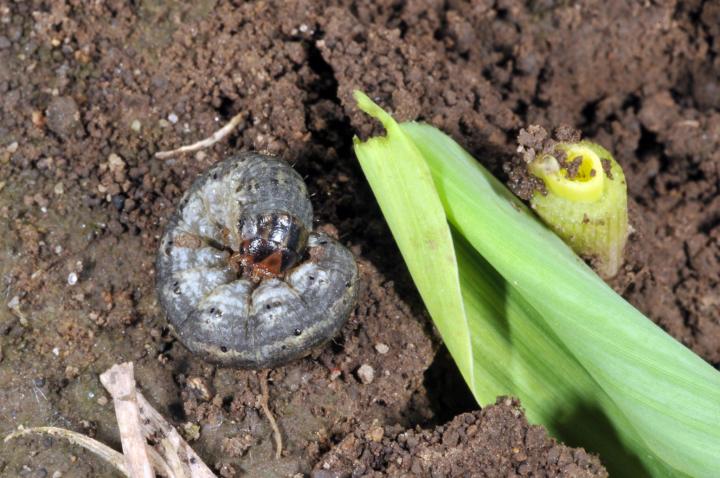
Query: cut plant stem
<point>585,201</point>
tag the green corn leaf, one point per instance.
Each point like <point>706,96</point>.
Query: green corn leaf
<point>538,322</point>
<point>669,395</point>
<point>398,161</point>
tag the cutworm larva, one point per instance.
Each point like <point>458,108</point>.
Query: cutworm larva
<point>242,278</point>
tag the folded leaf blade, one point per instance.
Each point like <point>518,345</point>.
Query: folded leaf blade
<point>404,188</point>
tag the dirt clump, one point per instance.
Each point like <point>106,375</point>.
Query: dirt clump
<point>496,441</point>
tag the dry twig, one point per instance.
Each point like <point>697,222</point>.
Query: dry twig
<point>207,142</point>
<point>137,420</point>
<point>176,452</point>
<point>119,380</point>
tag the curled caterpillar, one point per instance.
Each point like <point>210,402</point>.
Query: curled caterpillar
<point>242,278</point>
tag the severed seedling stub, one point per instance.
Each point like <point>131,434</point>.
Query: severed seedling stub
<point>241,277</point>
<point>579,190</point>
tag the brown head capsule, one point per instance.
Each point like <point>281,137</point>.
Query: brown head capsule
<point>272,243</point>
<point>240,275</point>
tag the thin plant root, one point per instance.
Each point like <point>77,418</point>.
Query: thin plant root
<point>264,400</point>
<point>116,459</point>
<point>207,142</point>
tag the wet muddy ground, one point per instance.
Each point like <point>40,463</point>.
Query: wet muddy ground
<point>89,91</point>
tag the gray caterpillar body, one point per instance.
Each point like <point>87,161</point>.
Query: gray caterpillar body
<point>240,276</point>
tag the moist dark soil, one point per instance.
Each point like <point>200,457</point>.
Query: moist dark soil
<point>89,91</point>
<point>493,442</point>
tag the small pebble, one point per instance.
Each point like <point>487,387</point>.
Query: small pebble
<point>38,119</point>
<point>14,303</point>
<point>72,278</point>
<point>325,472</point>
<point>57,474</point>
<point>115,162</point>
<point>198,386</point>
<point>56,351</point>
<point>71,372</point>
<point>376,434</point>
<point>63,115</point>
<point>381,348</point>
<point>135,126</point>
<point>118,201</point>
<point>172,118</point>
<point>102,401</point>
<point>59,189</point>
<point>366,373</point>
<point>12,147</point>
<point>58,249</point>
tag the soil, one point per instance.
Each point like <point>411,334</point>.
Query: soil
<point>493,442</point>
<point>91,90</point>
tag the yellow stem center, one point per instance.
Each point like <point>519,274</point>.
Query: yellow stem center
<point>587,180</point>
